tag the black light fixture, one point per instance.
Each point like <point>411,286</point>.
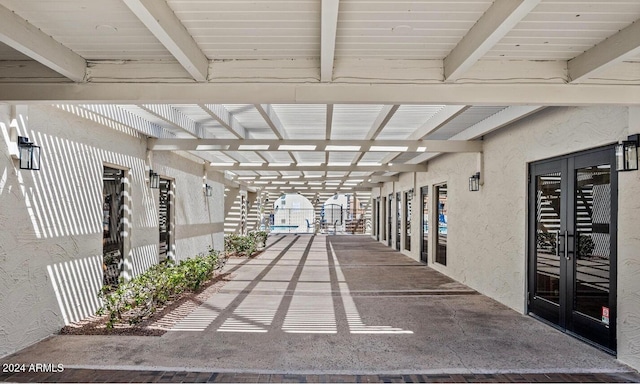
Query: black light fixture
<point>627,153</point>
<point>474,182</point>
<point>208,190</point>
<point>154,179</point>
<point>29,154</point>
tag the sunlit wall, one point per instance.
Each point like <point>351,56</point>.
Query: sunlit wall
<point>50,220</point>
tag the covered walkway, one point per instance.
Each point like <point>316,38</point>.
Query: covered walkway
<point>337,305</point>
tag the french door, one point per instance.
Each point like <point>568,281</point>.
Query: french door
<point>164,219</point>
<point>572,244</point>
<point>424,247</point>
<point>389,219</point>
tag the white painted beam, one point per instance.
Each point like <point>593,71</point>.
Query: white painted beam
<point>272,119</point>
<point>298,178</point>
<point>381,121</point>
<point>385,114</point>
<point>323,93</point>
<point>302,167</point>
<point>225,118</point>
<point>496,121</point>
<point>380,178</point>
<point>621,46</point>
<point>437,121</point>
<point>117,114</point>
<point>175,118</point>
<point>187,144</point>
<point>22,36</point>
<point>494,24</point>
<point>328,30</point>
<point>329,122</point>
<point>160,19</point>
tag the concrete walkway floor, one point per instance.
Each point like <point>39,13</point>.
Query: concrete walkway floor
<point>338,305</point>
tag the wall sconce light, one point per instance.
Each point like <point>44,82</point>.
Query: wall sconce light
<point>627,153</point>
<point>474,182</point>
<point>154,179</point>
<point>29,154</point>
<point>208,191</point>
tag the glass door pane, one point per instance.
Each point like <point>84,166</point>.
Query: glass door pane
<point>592,257</point>
<point>441,250</point>
<point>548,222</point>
<point>425,225</point>
<point>389,218</point>
<point>164,211</point>
<point>398,219</point>
<point>408,196</point>
<point>112,224</point>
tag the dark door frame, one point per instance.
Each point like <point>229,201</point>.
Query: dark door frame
<point>568,320</point>
<point>398,220</point>
<point>389,220</point>
<point>424,251</point>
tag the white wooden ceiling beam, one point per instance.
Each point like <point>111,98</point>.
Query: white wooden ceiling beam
<point>303,167</point>
<point>225,118</point>
<point>272,119</point>
<point>175,118</point>
<point>117,114</point>
<point>323,93</point>
<point>328,31</point>
<point>301,145</point>
<point>385,114</point>
<point>298,178</point>
<point>380,178</point>
<point>329,122</point>
<point>615,49</point>
<point>22,36</point>
<point>160,19</point>
<point>496,121</point>
<point>437,121</point>
<point>494,24</point>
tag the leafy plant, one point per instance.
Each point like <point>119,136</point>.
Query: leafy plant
<point>261,237</point>
<point>140,297</point>
<point>245,245</point>
<point>585,245</point>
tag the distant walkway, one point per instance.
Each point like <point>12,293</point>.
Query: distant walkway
<point>343,308</point>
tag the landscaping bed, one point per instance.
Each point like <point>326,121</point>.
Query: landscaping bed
<point>151,303</point>
<point>157,324</point>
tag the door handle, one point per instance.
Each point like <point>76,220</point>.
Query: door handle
<point>565,236</point>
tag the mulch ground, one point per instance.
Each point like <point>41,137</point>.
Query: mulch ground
<point>160,322</point>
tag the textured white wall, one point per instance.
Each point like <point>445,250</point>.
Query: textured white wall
<point>487,229</point>
<point>50,220</point>
<point>629,259</point>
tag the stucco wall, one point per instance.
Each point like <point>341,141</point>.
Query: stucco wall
<point>487,229</point>
<point>629,259</point>
<point>50,220</point>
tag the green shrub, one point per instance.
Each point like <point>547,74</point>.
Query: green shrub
<point>140,297</point>
<point>260,237</point>
<point>245,245</point>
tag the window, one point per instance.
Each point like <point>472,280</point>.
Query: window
<point>441,243</point>
<point>424,252</point>
<point>164,219</point>
<point>408,196</point>
<point>112,224</point>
